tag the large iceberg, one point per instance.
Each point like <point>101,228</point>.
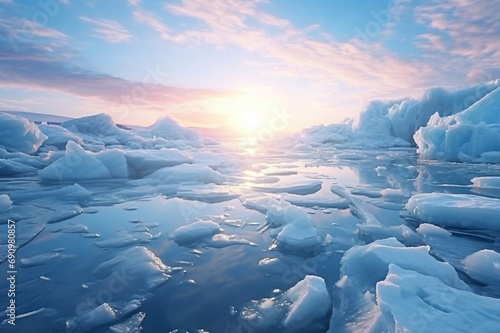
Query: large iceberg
<point>19,134</point>
<point>472,135</point>
<point>393,123</point>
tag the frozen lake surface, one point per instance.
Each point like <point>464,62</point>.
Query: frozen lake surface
<point>226,252</point>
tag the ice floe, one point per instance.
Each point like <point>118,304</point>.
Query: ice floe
<point>302,187</point>
<point>462,211</point>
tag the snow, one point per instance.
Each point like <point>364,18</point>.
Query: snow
<point>187,173</point>
<point>19,134</point>
<point>483,266</point>
<point>195,232</point>
<point>414,302</point>
<point>464,211</point>
<point>472,135</point>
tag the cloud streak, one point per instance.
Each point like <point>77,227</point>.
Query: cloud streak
<point>108,30</point>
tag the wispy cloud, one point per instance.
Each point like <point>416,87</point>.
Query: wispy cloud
<point>109,30</point>
<point>228,22</point>
<point>467,30</point>
<point>153,21</point>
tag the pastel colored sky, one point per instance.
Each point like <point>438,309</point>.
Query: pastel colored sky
<point>229,62</point>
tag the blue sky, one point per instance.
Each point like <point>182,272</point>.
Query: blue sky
<point>214,63</point>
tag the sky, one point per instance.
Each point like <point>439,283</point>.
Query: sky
<point>238,63</point>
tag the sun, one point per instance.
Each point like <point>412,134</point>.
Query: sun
<point>251,121</point>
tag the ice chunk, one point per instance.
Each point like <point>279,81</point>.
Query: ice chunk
<point>101,315</point>
<point>303,187</point>
<point>100,129</point>
<point>58,136</point>
<point>121,238</point>
<point>132,325</point>
<point>413,302</point>
<point>187,173</point>
<point>19,134</point>
<point>260,203</point>
<point>363,266</point>
<point>367,264</point>
<point>70,193</point>
<point>431,230</point>
<point>208,193</point>
<point>224,162</point>
<point>144,162</point>
<point>222,240</point>
<point>370,232</point>
<point>310,302</point>
<point>484,266</point>
<point>463,211</point>
<point>195,232</point>
<point>489,186</point>
<point>317,201</point>
<point>76,164</point>
<point>169,129</point>
<point>472,135</point>
<point>299,235</point>
<point>43,258</point>
<point>5,202</point>
<point>302,308</point>
<point>140,265</point>
<point>10,167</point>
<point>487,182</point>
<point>73,228</point>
